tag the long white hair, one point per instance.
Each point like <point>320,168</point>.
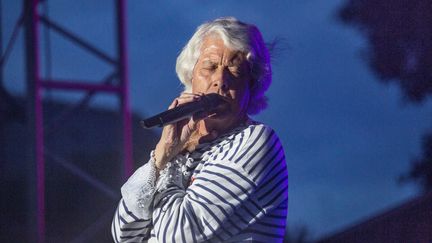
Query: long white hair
<point>238,36</point>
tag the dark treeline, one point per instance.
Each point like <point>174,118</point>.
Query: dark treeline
<point>399,33</point>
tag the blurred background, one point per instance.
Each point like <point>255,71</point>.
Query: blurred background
<point>350,100</point>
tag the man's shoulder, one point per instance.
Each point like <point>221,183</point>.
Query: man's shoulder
<point>257,131</point>
<point>256,136</point>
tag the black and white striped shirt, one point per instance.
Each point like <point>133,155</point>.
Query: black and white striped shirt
<point>238,193</point>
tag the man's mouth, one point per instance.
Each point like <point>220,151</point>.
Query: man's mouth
<point>220,111</point>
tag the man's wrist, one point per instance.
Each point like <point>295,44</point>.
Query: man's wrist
<point>160,159</point>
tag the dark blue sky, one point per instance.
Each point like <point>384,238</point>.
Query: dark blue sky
<point>346,136</point>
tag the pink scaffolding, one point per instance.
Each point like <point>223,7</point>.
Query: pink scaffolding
<point>32,19</point>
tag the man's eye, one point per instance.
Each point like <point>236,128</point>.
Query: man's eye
<point>209,68</point>
<point>235,71</point>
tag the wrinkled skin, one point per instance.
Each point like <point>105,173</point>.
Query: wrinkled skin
<point>221,70</point>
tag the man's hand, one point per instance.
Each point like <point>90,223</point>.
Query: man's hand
<point>175,136</point>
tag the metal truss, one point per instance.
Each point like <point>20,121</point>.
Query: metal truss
<point>31,19</point>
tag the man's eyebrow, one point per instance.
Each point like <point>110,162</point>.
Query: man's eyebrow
<point>207,61</point>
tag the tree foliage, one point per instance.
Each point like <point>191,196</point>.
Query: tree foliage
<point>421,170</point>
<point>400,41</point>
<point>399,33</point>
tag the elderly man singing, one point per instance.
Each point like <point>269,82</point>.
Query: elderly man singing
<point>221,177</point>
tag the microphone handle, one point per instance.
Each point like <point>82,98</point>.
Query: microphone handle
<point>174,115</point>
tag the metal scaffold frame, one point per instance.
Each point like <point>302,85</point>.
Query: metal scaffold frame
<point>31,19</point>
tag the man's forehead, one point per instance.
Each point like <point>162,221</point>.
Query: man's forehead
<point>215,44</point>
<point>211,49</point>
<point>215,54</point>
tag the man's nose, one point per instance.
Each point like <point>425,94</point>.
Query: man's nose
<point>221,80</point>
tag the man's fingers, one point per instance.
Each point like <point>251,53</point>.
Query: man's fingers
<point>173,104</point>
<point>186,98</point>
<point>194,94</point>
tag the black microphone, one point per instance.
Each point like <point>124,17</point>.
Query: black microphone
<point>207,102</point>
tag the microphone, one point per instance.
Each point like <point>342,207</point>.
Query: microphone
<point>207,102</point>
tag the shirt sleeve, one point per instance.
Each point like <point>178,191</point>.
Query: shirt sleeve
<point>132,219</point>
<point>127,227</point>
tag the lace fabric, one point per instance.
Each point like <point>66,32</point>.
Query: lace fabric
<point>170,175</point>
<point>140,189</point>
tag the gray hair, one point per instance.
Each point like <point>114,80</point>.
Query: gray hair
<point>238,36</point>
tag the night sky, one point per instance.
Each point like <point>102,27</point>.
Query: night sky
<point>347,137</point>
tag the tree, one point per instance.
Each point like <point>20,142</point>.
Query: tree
<point>421,170</point>
<point>399,33</point>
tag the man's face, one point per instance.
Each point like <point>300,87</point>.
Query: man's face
<point>225,72</point>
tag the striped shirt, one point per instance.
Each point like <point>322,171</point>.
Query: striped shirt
<point>238,192</point>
